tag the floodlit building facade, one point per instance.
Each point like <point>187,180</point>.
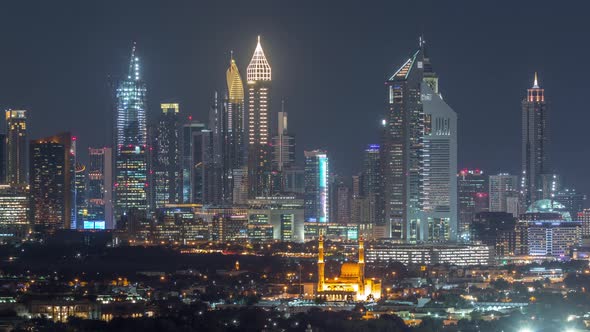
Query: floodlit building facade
<point>16,147</point>
<point>14,213</point>
<point>418,156</point>
<point>259,78</point>
<point>317,189</point>
<point>460,255</point>
<point>131,183</point>
<point>351,284</point>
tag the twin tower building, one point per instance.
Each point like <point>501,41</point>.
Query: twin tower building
<point>226,161</point>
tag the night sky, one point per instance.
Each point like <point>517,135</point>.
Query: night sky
<point>329,60</point>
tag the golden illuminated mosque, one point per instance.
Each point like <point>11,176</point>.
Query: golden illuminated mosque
<point>351,285</point>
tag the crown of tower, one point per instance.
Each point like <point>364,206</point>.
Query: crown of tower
<point>235,87</point>
<point>258,69</point>
<point>134,65</point>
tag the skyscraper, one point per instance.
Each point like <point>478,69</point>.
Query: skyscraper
<point>504,193</point>
<point>216,182</point>
<point>234,123</point>
<point>52,182</point>
<point>573,201</point>
<point>418,156</point>
<point>342,204</point>
<point>131,162</point>
<point>14,214</point>
<point>371,174</point>
<point>166,166</point>
<point>535,144</point>
<point>80,194</point>
<point>283,157</point>
<point>316,202</point>
<point>100,189</point>
<point>472,198</point>
<point>258,76</point>
<point>192,145</point>
<point>16,147</point>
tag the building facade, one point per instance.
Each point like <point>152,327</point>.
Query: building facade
<point>472,186</point>
<point>52,182</point>
<point>503,193</point>
<point>284,213</point>
<point>131,183</point>
<point>283,153</point>
<point>418,156</point>
<point>166,165</point>
<point>99,194</point>
<point>259,78</point>
<point>234,140</point>
<point>193,143</point>
<point>317,191</point>
<point>16,148</point>
<point>407,254</point>
<point>14,214</point>
<point>535,144</point>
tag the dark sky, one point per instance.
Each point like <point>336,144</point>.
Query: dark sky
<point>329,59</point>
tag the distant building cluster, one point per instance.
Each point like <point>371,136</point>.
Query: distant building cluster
<point>234,177</point>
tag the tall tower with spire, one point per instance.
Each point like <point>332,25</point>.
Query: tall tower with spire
<point>259,77</point>
<point>234,123</point>
<point>131,139</point>
<point>535,145</point>
<point>418,198</point>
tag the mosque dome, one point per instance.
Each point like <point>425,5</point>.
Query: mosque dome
<point>349,270</point>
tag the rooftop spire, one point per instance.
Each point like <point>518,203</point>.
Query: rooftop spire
<point>535,82</point>
<point>258,69</point>
<point>133,64</point>
<point>235,87</point>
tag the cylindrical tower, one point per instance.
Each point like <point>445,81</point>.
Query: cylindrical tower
<point>361,264</point>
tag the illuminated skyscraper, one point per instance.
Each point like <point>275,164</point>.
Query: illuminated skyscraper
<point>131,162</point>
<point>192,146</point>
<point>16,147</point>
<point>100,189</point>
<point>14,214</point>
<point>215,180</point>
<point>317,190</point>
<point>283,157</point>
<point>234,122</point>
<point>419,156</point>
<point>371,175</point>
<point>52,182</point>
<point>166,165</point>
<point>258,75</point>
<point>80,194</point>
<point>472,197</point>
<point>504,193</point>
<point>535,144</point>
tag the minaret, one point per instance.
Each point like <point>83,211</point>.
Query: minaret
<point>321,264</point>
<point>361,265</point>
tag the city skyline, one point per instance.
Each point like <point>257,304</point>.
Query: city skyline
<point>474,136</point>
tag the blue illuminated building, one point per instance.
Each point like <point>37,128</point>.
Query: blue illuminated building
<point>316,202</point>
